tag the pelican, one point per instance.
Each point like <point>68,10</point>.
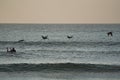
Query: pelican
<point>69,37</point>
<point>44,37</point>
<point>110,34</point>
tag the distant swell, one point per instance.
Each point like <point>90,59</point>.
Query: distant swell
<point>57,42</point>
<point>59,67</point>
<point>60,43</point>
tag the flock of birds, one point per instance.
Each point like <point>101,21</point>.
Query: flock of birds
<point>68,36</point>
<point>46,37</point>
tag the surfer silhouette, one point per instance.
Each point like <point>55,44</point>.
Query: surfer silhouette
<point>11,50</point>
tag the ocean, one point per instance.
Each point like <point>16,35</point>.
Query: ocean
<point>89,53</point>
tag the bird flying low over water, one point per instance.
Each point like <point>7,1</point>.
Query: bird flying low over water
<point>110,34</point>
<point>44,37</point>
<point>69,37</point>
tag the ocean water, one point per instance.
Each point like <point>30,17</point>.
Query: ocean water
<point>89,55</point>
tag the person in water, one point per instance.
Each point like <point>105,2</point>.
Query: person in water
<point>11,50</point>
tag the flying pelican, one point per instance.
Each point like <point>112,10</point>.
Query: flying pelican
<point>69,37</point>
<point>110,34</point>
<point>44,37</point>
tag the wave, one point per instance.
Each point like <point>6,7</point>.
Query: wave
<point>59,41</point>
<point>70,43</point>
<point>79,67</point>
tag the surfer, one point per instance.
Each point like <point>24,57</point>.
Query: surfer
<point>11,50</point>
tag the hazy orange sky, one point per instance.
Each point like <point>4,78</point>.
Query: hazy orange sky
<point>59,11</point>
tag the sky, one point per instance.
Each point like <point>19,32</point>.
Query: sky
<point>60,11</point>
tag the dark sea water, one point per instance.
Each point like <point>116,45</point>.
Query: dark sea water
<point>89,55</point>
